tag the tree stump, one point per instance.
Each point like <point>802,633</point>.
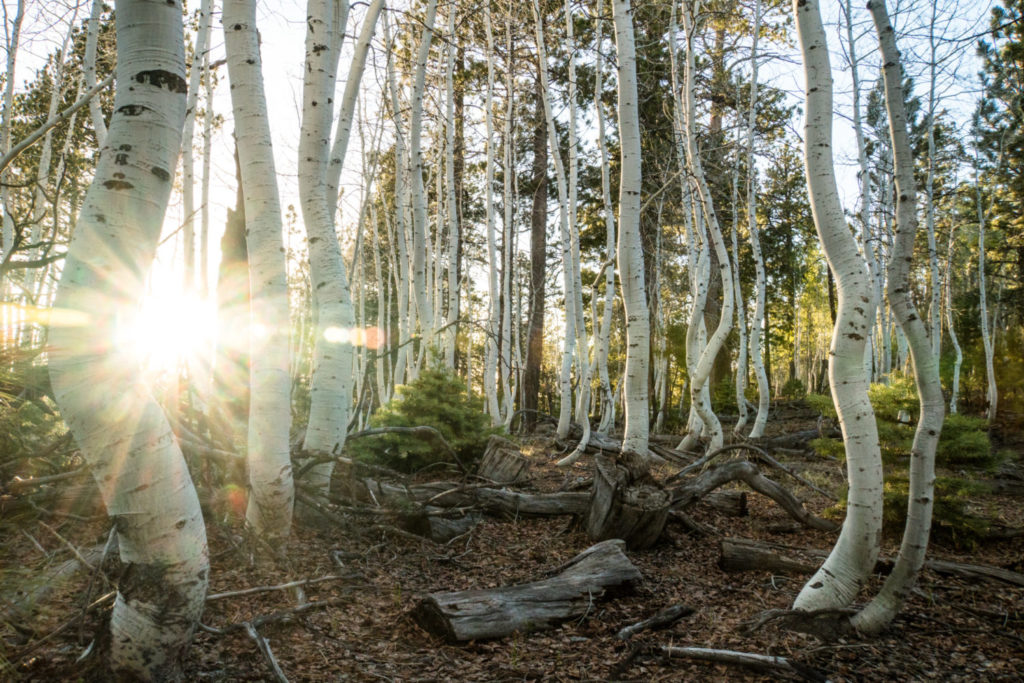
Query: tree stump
<point>496,612</point>
<point>503,463</point>
<point>732,503</point>
<point>623,507</point>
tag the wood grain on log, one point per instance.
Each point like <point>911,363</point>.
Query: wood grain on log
<point>503,463</point>
<point>493,613</point>
<point>620,508</point>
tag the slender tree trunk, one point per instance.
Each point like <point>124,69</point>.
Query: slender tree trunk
<point>630,247</point>
<point>538,261</point>
<point>7,231</point>
<point>92,33</point>
<point>451,201</point>
<point>987,341</point>
<point>121,430</point>
<point>270,470</point>
<point>493,343</point>
<point>187,157</point>
<point>853,558</point>
<point>954,393</point>
<point>880,612</point>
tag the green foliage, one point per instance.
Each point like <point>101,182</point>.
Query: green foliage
<point>952,523</point>
<point>964,443</point>
<point>436,399</point>
<point>793,389</point>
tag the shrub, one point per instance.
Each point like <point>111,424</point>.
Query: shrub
<point>437,399</point>
<point>793,389</point>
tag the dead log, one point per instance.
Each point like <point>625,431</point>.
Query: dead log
<point>740,554</point>
<point>461,616</point>
<point>732,503</point>
<point>742,470</point>
<point>623,508</point>
<point>451,494</point>
<point>503,463</point>
<point>439,528</point>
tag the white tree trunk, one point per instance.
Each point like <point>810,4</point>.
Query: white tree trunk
<point>204,196</point>
<point>757,324</point>
<point>702,370</point>
<point>883,608</point>
<point>987,341</point>
<point>853,558</point>
<point>452,214</point>
<point>120,428</point>
<point>630,247</point>
<point>954,393</point>
<point>187,157</point>
<point>493,342</point>
<point>6,118</point>
<point>421,288</point>
<point>89,71</point>
<point>270,471</point>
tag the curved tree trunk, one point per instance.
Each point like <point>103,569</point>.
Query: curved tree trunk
<point>883,608</point>
<point>852,559</point>
<point>123,433</point>
<point>270,470</point>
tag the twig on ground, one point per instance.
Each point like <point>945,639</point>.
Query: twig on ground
<point>284,586</point>
<point>662,619</point>
<point>767,663</point>
<point>268,654</point>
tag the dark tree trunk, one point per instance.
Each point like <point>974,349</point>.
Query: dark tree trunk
<point>538,265</point>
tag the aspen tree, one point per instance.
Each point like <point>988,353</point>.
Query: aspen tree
<point>123,434</point>
<point>494,342</point>
<point>703,367</point>
<point>852,559</point>
<point>883,608</point>
<point>630,246</point>
<point>757,324</point>
<point>92,33</point>
<point>13,38</point>
<point>187,157</point>
<point>271,496</point>
<point>451,213</point>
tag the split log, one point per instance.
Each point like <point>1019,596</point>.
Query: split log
<point>739,554</point>
<point>621,508</point>
<point>493,613</point>
<point>450,494</point>
<point>503,463</point>
<point>732,503</point>
<point>438,528</point>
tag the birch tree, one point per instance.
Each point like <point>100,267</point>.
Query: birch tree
<point>852,559</point>
<point>271,496</point>
<point>121,430</point>
<point>187,157</point>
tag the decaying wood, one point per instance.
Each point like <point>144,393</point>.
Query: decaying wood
<point>267,653</point>
<point>662,619</point>
<point>621,507</point>
<point>493,613</point>
<point>765,663</point>
<point>742,470</point>
<point>442,527</point>
<point>732,503</point>
<point>740,554</point>
<point>490,499</point>
<point>503,463</point>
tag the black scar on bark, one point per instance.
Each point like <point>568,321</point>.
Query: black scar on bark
<point>160,173</point>
<point>118,185</point>
<point>161,78</point>
<point>131,109</point>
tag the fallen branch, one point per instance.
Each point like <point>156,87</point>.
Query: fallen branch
<point>766,663</point>
<point>662,619</point>
<point>284,586</point>
<point>268,654</point>
<point>742,470</point>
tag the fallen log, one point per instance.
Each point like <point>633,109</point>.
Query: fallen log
<point>461,616</point>
<point>740,554</point>
<point>732,503</point>
<point>622,508</point>
<point>502,463</point>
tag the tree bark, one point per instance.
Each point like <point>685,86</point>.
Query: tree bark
<point>122,432</point>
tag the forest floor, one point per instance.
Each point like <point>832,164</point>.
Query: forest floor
<point>951,629</point>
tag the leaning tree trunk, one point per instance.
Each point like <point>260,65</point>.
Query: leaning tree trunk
<point>6,119</point>
<point>270,470</point>
<point>119,426</point>
<point>883,608</point>
<point>853,557</point>
<point>92,34</point>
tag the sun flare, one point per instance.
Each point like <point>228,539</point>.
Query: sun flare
<point>170,329</point>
